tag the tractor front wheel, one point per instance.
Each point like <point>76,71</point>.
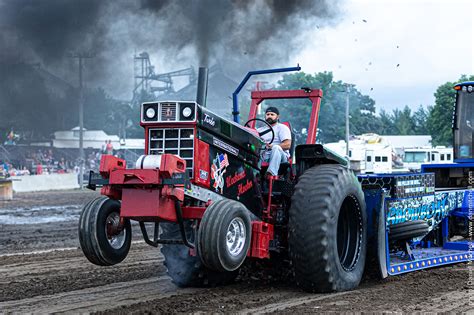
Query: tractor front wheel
<point>224,235</point>
<point>328,229</point>
<point>104,239</point>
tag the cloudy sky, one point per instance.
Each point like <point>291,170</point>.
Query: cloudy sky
<point>431,41</point>
<point>396,51</point>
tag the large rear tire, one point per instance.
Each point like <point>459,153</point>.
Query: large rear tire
<point>328,229</point>
<point>186,270</point>
<point>103,240</point>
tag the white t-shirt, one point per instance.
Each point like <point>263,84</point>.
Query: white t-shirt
<point>282,133</point>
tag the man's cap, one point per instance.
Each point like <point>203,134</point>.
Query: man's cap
<point>273,110</point>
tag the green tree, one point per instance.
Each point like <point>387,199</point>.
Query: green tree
<point>439,122</point>
<point>387,124</point>
<point>403,122</point>
<point>419,119</point>
<point>331,122</point>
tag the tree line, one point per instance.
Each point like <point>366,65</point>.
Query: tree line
<point>434,120</point>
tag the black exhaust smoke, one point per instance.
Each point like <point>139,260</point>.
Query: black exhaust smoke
<point>239,35</point>
<point>201,95</point>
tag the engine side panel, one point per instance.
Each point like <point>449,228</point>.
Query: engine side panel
<point>232,172</point>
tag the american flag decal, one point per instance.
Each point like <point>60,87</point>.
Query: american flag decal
<point>223,161</point>
<point>218,169</point>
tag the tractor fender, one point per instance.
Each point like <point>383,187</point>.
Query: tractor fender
<point>309,155</point>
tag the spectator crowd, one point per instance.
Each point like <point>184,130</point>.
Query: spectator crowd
<point>37,161</point>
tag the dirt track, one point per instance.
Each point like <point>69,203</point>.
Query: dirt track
<point>61,281</point>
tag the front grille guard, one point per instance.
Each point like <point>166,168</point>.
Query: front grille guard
<point>96,180</point>
<point>178,141</point>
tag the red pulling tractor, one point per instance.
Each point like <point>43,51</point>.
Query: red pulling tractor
<point>201,183</point>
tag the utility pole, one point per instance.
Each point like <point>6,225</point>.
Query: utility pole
<point>347,121</point>
<point>80,57</point>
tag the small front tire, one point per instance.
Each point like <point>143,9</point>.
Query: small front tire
<point>104,241</point>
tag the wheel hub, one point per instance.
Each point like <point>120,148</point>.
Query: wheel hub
<point>114,231</point>
<point>236,236</point>
<point>349,233</point>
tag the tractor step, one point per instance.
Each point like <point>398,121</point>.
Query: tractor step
<point>279,187</point>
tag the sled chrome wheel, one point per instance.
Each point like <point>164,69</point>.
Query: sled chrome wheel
<point>236,236</point>
<point>114,232</point>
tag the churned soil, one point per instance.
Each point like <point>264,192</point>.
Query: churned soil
<point>43,270</point>
<point>41,220</point>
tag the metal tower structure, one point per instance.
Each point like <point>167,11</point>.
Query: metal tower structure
<point>144,76</point>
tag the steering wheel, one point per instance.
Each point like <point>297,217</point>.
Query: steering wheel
<point>270,128</point>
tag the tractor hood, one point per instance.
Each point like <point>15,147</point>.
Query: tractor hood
<point>228,131</point>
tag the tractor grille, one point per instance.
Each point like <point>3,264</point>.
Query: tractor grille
<point>173,141</point>
<point>168,111</point>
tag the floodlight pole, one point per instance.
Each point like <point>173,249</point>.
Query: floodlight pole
<point>80,57</point>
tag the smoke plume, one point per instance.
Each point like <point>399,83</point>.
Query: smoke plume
<point>265,31</point>
<point>240,35</point>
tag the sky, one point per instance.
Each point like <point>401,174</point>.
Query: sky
<point>396,51</point>
<point>431,41</point>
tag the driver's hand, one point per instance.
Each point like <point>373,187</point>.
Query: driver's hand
<point>269,145</point>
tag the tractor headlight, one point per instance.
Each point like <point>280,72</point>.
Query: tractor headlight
<point>469,88</point>
<point>187,112</point>
<point>150,113</point>
<point>464,88</point>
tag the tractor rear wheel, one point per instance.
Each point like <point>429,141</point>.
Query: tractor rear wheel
<point>328,229</point>
<point>184,269</point>
<point>104,240</point>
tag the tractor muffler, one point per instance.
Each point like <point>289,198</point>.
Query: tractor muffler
<point>201,95</point>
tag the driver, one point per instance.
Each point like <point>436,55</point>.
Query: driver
<point>276,152</point>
